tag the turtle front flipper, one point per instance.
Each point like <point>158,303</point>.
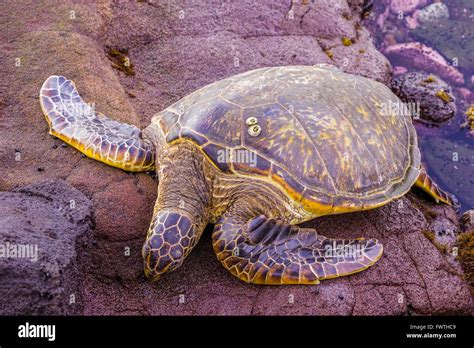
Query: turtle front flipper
<point>427,184</point>
<point>265,251</point>
<point>97,136</point>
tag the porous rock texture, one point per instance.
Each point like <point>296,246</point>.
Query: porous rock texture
<point>44,228</point>
<point>174,49</point>
<point>434,96</point>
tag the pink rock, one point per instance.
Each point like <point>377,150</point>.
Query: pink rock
<point>382,17</point>
<point>419,56</point>
<point>411,21</point>
<point>399,70</point>
<point>467,94</point>
<point>406,6</point>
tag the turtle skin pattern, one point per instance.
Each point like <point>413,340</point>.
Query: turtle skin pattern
<point>97,136</point>
<point>427,184</point>
<point>170,238</point>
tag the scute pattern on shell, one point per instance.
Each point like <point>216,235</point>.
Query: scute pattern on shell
<point>326,136</point>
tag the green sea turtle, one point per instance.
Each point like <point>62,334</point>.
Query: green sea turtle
<point>255,154</point>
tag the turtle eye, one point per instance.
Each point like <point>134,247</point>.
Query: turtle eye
<point>251,121</point>
<point>255,131</point>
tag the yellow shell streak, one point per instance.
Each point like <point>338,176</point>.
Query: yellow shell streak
<point>76,123</point>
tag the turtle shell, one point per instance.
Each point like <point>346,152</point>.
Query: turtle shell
<point>333,141</point>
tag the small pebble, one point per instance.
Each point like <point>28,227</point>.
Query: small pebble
<point>433,13</point>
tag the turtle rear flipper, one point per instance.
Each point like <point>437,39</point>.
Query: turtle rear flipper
<point>97,136</point>
<point>264,251</point>
<point>428,185</point>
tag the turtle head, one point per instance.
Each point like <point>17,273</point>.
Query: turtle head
<point>170,239</point>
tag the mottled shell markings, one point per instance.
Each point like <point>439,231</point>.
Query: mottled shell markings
<point>321,135</point>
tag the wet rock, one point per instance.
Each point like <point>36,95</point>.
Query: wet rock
<point>434,96</point>
<point>466,247</point>
<point>411,22</point>
<point>452,38</point>
<point>433,13</point>
<point>469,123</point>
<point>442,223</point>
<point>46,224</point>
<point>406,6</point>
<point>418,56</point>
<point>466,94</point>
<point>461,9</point>
<point>399,70</point>
<point>451,162</point>
<point>444,231</point>
<point>383,17</point>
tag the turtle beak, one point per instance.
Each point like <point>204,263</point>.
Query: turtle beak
<point>153,277</point>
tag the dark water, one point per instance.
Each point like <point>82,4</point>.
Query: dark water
<point>447,149</point>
